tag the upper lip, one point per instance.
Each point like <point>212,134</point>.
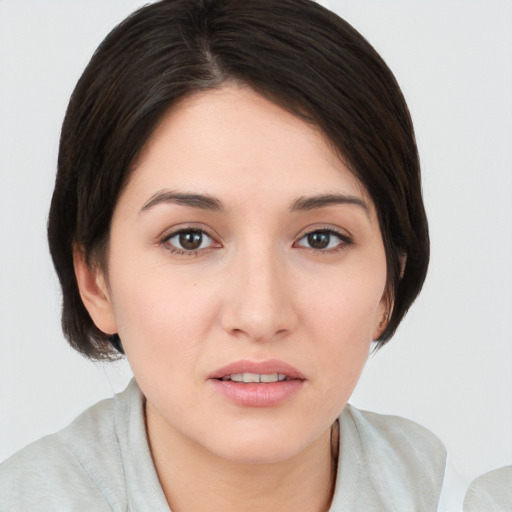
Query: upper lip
<point>267,366</point>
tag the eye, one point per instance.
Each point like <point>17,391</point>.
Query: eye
<point>188,240</point>
<point>323,240</point>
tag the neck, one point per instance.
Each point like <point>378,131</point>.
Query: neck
<point>195,480</point>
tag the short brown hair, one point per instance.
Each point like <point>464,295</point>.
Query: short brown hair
<point>295,53</point>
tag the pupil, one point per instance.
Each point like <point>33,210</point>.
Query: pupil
<point>318,240</point>
<point>191,240</point>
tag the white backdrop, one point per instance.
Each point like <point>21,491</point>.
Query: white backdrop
<point>450,365</point>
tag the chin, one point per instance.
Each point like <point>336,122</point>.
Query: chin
<point>259,454</point>
<point>262,445</point>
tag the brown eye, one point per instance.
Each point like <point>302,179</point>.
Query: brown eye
<point>189,240</point>
<point>324,240</point>
<point>319,239</point>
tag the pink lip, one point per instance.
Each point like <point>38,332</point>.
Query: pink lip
<point>266,366</point>
<point>258,394</point>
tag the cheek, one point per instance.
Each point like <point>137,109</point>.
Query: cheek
<point>163,318</point>
<point>342,318</point>
<point>347,304</point>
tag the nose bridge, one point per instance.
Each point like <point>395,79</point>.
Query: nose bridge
<point>259,305</point>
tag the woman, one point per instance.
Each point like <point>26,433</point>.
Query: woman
<point>238,209</point>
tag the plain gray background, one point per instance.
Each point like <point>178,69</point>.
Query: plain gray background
<point>450,365</point>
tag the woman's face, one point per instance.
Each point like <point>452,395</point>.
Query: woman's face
<point>242,249</point>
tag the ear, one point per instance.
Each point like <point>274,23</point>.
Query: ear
<point>402,260</point>
<point>387,303</point>
<point>94,293</point>
<point>383,315</point>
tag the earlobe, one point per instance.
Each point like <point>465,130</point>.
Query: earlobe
<point>402,259</point>
<point>383,316</point>
<point>387,303</point>
<point>381,326</point>
<point>94,293</point>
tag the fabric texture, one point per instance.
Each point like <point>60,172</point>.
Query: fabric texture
<point>491,492</point>
<point>102,462</point>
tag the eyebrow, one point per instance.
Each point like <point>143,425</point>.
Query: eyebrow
<point>324,200</point>
<point>202,201</point>
<point>207,202</point>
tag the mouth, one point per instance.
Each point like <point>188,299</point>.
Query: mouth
<point>257,384</point>
<point>256,377</point>
<point>264,371</point>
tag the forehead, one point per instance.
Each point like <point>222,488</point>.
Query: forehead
<point>237,145</point>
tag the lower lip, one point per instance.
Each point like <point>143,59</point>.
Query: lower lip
<point>267,394</point>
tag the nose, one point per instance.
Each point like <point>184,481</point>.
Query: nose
<point>259,302</point>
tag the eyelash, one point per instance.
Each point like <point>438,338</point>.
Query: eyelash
<point>344,241</point>
<point>165,241</point>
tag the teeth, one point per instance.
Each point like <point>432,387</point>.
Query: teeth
<point>273,377</point>
<point>250,377</point>
<point>255,377</point>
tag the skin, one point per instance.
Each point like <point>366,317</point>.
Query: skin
<point>255,290</point>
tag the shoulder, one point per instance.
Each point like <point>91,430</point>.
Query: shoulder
<point>395,435</point>
<point>78,468</point>
<point>491,492</point>
<point>388,462</point>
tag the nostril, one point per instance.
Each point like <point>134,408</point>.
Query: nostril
<point>258,316</point>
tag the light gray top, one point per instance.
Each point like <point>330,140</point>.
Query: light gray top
<point>491,492</point>
<point>102,462</point>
